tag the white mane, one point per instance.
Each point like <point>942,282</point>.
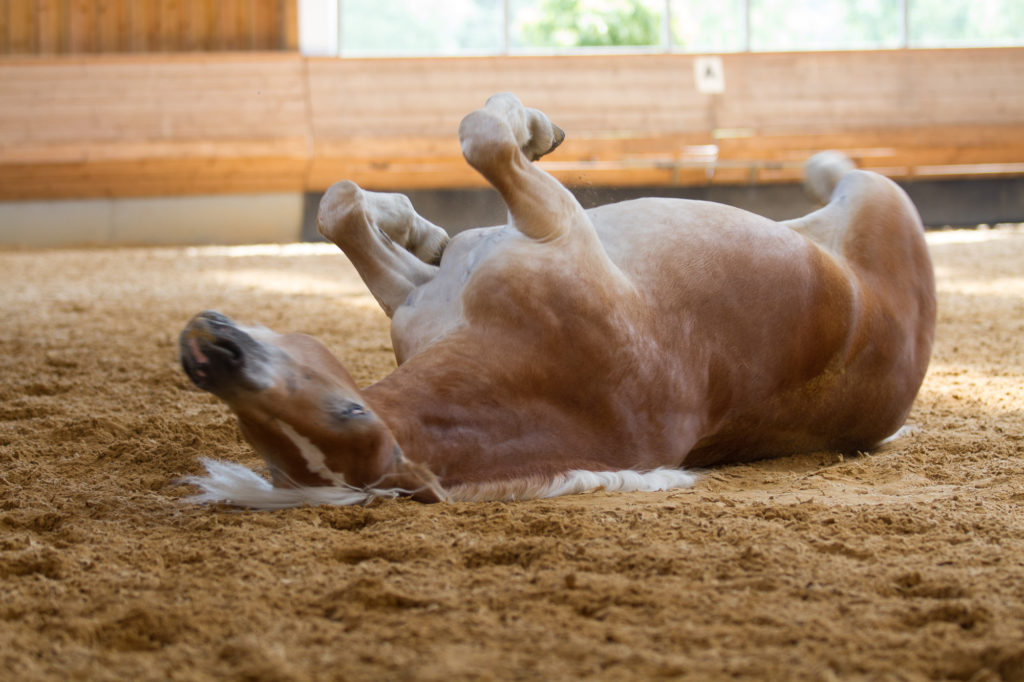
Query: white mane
<point>237,485</point>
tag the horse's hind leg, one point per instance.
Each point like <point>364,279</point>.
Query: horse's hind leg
<point>390,246</point>
<point>867,220</point>
<point>872,229</point>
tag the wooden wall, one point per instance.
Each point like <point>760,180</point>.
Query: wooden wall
<point>639,119</point>
<point>152,125</point>
<point>148,125</point>
<point>50,27</point>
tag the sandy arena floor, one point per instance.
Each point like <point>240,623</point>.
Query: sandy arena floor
<point>903,564</point>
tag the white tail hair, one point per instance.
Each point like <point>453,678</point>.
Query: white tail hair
<point>237,485</point>
<point>573,483</point>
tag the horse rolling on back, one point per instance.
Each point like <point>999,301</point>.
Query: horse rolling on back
<point>573,349</point>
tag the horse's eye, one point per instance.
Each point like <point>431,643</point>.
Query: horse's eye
<point>348,410</point>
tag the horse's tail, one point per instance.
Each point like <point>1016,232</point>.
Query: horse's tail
<point>823,171</point>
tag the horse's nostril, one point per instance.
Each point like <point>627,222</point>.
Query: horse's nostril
<point>195,365</point>
<point>229,351</point>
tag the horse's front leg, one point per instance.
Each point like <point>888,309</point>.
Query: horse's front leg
<point>393,249</point>
<point>501,141</point>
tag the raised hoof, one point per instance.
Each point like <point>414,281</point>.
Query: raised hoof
<point>336,209</point>
<point>558,136</point>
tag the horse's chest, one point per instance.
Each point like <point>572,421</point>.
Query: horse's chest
<point>435,308</point>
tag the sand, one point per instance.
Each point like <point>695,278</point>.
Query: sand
<point>901,564</point>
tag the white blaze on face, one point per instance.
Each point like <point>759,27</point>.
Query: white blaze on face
<point>264,368</point>
<point>316,462</point>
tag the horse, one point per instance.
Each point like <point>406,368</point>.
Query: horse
<point>576,349</point>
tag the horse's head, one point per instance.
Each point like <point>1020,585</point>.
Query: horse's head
<point>299,408</point>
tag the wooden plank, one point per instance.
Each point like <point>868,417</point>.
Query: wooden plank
<point>171,12</point>
<point>998,143</point>
<point>20,34</point>
<point>82,30</point>
<point>573,92</point>
<point>112,26</point>
<point>5,21</point>
<point>201,25</point>
<point>289,25</point>
<point>149,178</point>
<point>265,20</point>
<point>778,92</point>
<point>143,26</point>
<point>162,151</point>
<point>229,23</point>
<point>192,28</point>
<point>49,27</point>
<point>438,162</point>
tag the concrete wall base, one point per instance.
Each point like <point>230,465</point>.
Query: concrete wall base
<point>218,219</point>
<point>288,217</point>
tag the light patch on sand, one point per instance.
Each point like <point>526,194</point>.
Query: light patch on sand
<point>297,249</point>
<point>972,236</point>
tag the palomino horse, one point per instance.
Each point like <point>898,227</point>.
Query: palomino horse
<point>575,349</point>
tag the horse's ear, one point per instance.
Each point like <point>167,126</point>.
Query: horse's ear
<point>418,479</point>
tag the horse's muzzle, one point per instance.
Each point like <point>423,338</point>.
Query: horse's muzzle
<point>217,355</point>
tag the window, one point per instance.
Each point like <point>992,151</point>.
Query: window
<point>380,28</point>
<point>783,25</point>
<point>438,27</point>
<point>700,26</point>
<point>548,25</point>
<point>965,23</point>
